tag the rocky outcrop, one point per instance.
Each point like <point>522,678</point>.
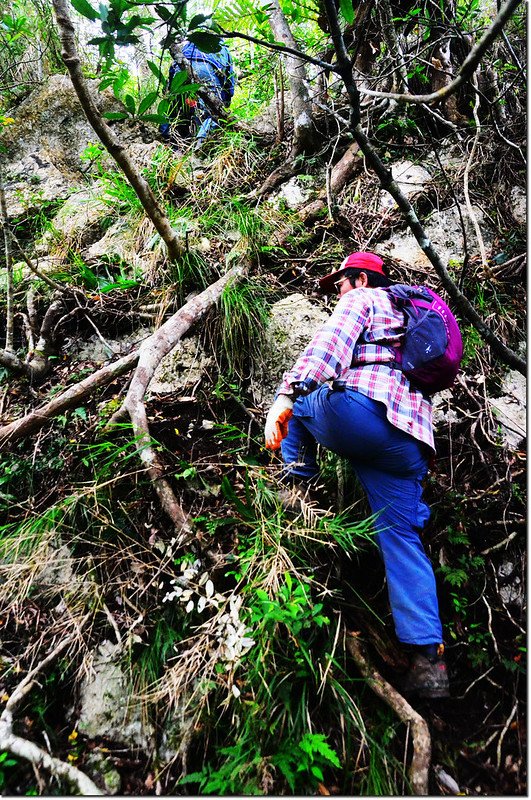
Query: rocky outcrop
<point>46,140</point>
<point>293,322</point>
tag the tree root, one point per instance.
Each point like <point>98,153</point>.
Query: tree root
<point>23,748</point>
<point>150,354</point>
<point>420,762</point>
<point>279,175</point>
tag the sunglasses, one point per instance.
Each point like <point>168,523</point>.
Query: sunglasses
<point>338,284</point>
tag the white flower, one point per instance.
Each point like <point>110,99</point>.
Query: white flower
<point>189,606</point>
<point>235,691</point>
<point>209,588</point>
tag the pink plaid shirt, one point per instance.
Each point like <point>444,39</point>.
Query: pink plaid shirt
<point>358,333</point>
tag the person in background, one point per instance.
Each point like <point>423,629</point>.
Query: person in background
<point>215,71</point>
<point>346,393</point>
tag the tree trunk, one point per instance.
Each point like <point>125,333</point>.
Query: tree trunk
<point>304,138</point>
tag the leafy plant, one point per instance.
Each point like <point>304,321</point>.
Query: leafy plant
<point>6,764</point>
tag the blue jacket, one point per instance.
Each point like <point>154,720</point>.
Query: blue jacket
<point>216,68</point>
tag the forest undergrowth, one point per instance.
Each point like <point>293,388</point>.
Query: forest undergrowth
<point>237,643</point>
<point>155,544</point>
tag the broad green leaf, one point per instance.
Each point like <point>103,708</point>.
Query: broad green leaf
<point>206,42</point>
<point>199,19</point>
<point>347,10</point>
<point>84,8</point>
<point>178,79</point>
<point>156,71</point>
<point>158,119</point>
<point>129,101</point>
<point>163,13</point>
<point>147,102</point>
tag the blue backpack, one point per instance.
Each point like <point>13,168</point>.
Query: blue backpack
<point>431,351</point>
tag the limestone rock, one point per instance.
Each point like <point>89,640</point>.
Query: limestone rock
<point>411,179</point>
<point>294,320</point>
<point>444,230</point>
<point>518,199</point>
<point>295,193</point>
<point>44,164</point>
<point>107,710</point>
<point>180,370</point>
<point>510,409</point>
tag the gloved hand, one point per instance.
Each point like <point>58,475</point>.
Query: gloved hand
<point>276,426</point>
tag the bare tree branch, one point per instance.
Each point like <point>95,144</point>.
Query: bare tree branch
<point>107,137</point>
<point>467,68</point>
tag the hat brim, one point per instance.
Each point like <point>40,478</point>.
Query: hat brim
<point>326,284</point>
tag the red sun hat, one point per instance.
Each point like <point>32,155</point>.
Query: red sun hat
<point>368,262</point>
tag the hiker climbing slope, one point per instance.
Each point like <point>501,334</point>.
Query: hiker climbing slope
<point>215,71</point>
<point>348,393</point>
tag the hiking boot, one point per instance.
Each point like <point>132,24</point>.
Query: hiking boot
<point>427,677</point>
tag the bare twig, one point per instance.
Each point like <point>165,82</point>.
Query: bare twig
<point>468,167</point>
<point>10,316</point>
<point>502,735</point>
<point>30,751</point>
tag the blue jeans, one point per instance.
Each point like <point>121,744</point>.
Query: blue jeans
<point>390,465</point>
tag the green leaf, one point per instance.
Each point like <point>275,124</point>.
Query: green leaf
<point>116,115</point>
<point>178,79</point>
<point>207,42</point>
<point>81,413</point>
<point>347,10</point>
<point>147,102</point>
<point>84,8</point>
<point>158,119</point>
<point>129,101</point>
<point>199,19</point>
<point>156,71</point>
<point>163,13</point>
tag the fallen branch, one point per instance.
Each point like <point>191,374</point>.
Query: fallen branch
<point>420,762</point>
<point>150,354</point>
<point>23,748</point>
<point>37,419</point>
